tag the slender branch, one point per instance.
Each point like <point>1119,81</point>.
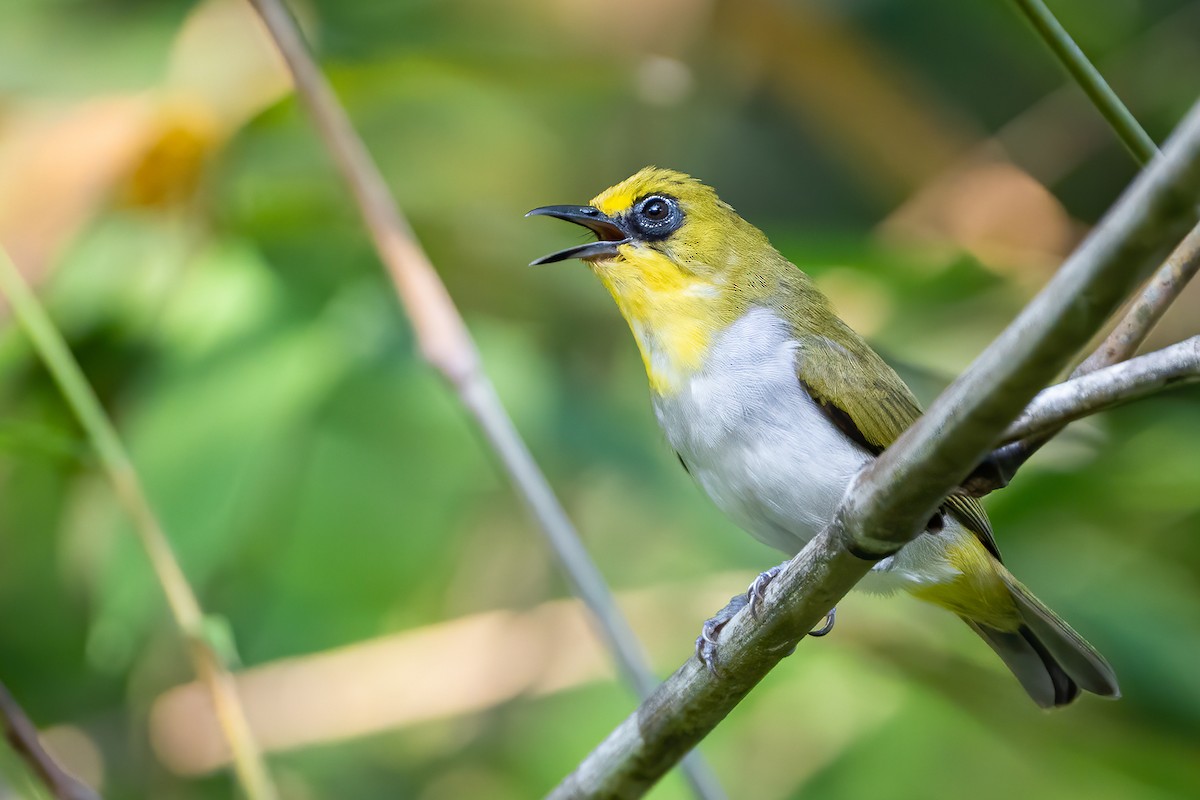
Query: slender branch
<point>1181,266</point>
<point>1135,139</point>
<point>1051,409</point>
<point>249,767</point>
<point>1145,312</point>
<point>1166,284</point>
<point>999,468</point>
<point>446,344</point>
<point>22,734</point>
<point>889,501</point>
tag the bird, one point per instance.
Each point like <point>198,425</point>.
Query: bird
<point>773,404</point>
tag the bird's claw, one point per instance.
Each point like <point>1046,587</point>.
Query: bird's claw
<point>706,642</point>
<point>707,654</point>
<point>706,651</point>
<point>830,618</point>
<point>757,590</point>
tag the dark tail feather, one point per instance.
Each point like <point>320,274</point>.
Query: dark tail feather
<point>1041,676</point>
<point>1078,658</point>
<point>1047,656</point>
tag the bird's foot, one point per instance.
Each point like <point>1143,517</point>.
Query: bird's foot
<point>758,590</point>
<point>706,642</point>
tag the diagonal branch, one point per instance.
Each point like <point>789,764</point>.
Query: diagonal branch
<point>248,763</point>
<point>446,344</point>
<point>22,734</point>
<point>889,501</point>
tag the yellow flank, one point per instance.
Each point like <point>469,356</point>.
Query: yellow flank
<point>672,314</point>
<point>979,593</point>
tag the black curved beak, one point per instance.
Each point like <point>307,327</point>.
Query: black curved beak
<point>607,230</point>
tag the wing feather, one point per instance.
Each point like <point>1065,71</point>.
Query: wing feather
<point>874,407</point>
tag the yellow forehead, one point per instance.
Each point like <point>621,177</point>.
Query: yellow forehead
<point>651,180</point>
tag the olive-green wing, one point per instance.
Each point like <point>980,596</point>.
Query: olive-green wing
<point>874,407</point>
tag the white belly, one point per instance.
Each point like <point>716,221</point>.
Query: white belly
<point>766,453</point>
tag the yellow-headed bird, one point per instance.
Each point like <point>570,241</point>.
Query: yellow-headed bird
<point>773,405</point>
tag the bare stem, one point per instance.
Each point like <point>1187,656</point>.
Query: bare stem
<point>890,500</point>
<point>22,734</point>
<point>50,346</point>
<point>1135,139</point>
<point>446,344</point>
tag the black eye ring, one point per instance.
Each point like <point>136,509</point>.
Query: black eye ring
<point>656,217</point>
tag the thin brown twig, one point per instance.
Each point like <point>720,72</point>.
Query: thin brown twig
<point>1181,266</point>
<point>22,734</point>
<point>1163,288</point>
<point>444,341</point>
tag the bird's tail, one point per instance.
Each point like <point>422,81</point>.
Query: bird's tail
<point>1052,661</point>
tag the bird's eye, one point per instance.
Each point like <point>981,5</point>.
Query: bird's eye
<point>657,217</point>
<point>655,209</point>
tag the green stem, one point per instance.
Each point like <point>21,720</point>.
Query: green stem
<point>1132,135</point>
<point>185,608</point>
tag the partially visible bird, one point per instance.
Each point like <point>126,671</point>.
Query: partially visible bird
<point>773,405</point>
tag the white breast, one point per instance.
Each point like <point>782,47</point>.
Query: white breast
<point>763,450</point>
<point>768,455</point>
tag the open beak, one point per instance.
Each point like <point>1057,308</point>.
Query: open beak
<point>610,234</point>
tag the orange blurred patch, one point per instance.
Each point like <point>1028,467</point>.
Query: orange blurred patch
<point>60,165</point>
<point>57,165</point>
<point>172,160</point>
<point>445,670</point>
<point>992,210</point>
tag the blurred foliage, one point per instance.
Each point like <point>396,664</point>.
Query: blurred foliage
<point>921,159</point>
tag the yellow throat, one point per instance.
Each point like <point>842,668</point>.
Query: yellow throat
<point>671,314</point>
<point>674,304</point>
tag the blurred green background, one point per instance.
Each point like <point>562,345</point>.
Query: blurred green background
<point>405,632</point>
